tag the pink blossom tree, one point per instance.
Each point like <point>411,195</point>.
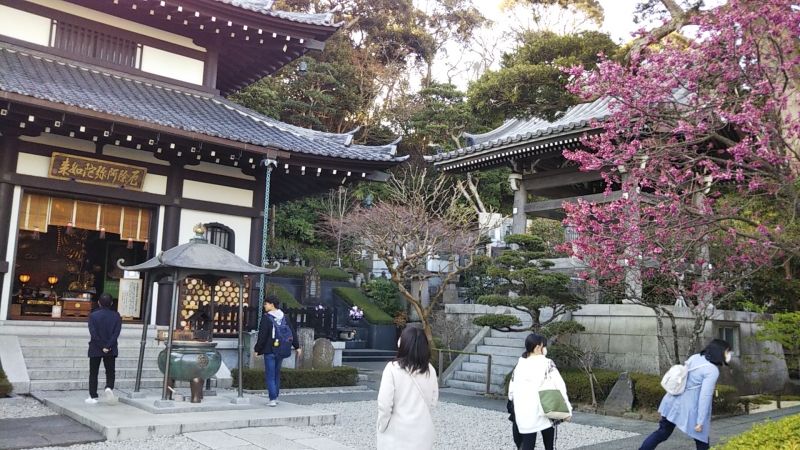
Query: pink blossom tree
<point>702,131</point>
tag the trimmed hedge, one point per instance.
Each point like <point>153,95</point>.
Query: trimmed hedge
<point>354,297</point>
<point>783,434</point>
<point>325,273</point>
<point>299,378</point>
<point>647,390</point>
<point>5,385</point>
<point>285,297</point>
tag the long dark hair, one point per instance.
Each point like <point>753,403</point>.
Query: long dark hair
<point>715,351</point>
<point>414,353</point>
<point>531,342</point>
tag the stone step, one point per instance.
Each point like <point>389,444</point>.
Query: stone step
<point>73,385</point>
<point>78,374</point>
<point>471,386</point>
<point>509,361</point>
<point>505,342</point>
<point>495,350</point>
<point>509,334</point>
<point>81,362</point>
<point>481,368</point>
<point>478,377</point>
<point>81,351</point>
<point>41,328</point>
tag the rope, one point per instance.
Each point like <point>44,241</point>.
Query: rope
<point>264,238</point>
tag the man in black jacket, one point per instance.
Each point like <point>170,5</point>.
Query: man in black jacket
<point>264,346</point>
<point>105,325</point>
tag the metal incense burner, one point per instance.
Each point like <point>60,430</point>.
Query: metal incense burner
<point>192,361</point>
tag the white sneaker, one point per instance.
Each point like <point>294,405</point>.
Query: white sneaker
<point>108,396</point>
<point>273,403</point>
<point>91,401</point>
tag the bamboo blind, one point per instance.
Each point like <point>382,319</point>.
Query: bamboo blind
<point>37,212</point>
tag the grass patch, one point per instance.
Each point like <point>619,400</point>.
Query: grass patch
<point>325,273</point>
<point>5,385</point>
<point>299,378</point>
<point>783,434</point>
<point>285,297</point>
<point>354,297</point>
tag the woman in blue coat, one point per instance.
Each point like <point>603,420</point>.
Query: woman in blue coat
<point>691,410</point>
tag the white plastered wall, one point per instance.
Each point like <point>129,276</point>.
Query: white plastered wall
<point>24,26</point>
<point>239,225</point>
<point>217,193</point>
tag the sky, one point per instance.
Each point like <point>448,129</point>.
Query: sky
<point>618,23</point>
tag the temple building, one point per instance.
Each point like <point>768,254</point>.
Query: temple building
<point>533,149</point>
<point>116,140</point>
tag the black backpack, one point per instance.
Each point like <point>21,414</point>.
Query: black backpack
<point>282,338</point>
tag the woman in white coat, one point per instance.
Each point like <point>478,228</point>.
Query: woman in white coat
<point>409,389</point>
<point>532,370</point>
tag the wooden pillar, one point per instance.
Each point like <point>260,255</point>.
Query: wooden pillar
<point>9,148</point>
<point>171,233</point>
<point>519,219</point>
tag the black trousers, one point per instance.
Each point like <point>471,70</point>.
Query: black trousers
<point>109,362</point>
<point>529,440</point>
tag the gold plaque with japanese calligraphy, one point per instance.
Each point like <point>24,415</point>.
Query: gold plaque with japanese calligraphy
<point>96,171</point>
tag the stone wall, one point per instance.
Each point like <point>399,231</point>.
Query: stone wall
<point>624,337</point>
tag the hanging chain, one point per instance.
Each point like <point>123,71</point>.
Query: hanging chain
<point>270,163</point>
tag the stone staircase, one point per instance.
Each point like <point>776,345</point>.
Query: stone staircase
<point>469,372</point>
<point>54,355</point>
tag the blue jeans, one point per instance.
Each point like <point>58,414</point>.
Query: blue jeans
<point>272,375</point>
<point>665,428</point>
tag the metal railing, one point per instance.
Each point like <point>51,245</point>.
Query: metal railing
<point>461,352</point>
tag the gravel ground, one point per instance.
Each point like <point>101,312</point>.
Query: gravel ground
<point>457,426</point>
<point>156,443</point>
<point>21,407</point>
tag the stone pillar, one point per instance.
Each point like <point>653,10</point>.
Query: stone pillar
<point>306,338</point>
<point>171,234</point>
<point>519,224</point>
<point>9,147</point>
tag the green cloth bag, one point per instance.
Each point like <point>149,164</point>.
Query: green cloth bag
<point>553,404</point>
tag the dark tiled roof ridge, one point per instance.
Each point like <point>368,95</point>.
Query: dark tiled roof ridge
<point>385,152</point>
<point>576,119</point>
<point>265,7</point>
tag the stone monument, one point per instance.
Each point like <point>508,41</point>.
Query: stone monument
<point>620,399</point>
<point>322,354</point>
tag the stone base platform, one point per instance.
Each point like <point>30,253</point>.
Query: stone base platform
<point>118,420</point>
<point>223,402</point>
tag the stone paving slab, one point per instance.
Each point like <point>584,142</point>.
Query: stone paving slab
<point>120,421</point>
<point>264,438</point>
<point>44,431</point>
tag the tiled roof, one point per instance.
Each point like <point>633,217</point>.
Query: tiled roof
<point>265,7</point>
<point>60,81</point>
<point>525,131</point>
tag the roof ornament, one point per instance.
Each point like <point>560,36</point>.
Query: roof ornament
<point>199,233</point>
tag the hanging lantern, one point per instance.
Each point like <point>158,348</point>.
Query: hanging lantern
<point>24,278</point>
<point>130,243</point>
<point>52,280</point>
<point>102,232</point>
<point>36,234</point>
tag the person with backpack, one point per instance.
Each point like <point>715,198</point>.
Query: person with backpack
<point>409,390</point>
<point>276,338</point>
<point>687,404</point>
<point>534,375</point>
<point>105,325</point>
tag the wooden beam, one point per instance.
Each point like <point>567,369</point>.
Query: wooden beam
<point>558,178</point>
<point>557,204</point>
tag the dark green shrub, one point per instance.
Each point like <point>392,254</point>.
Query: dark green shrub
<point>726,400</point>
<point>5,385</point>
<point>299,378</point>
<point>647,390</point>
<point>579,390</point>
<point>384,294</point>
<point>285,297</point>
<point>354,297</point>
<point>783,434</point>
